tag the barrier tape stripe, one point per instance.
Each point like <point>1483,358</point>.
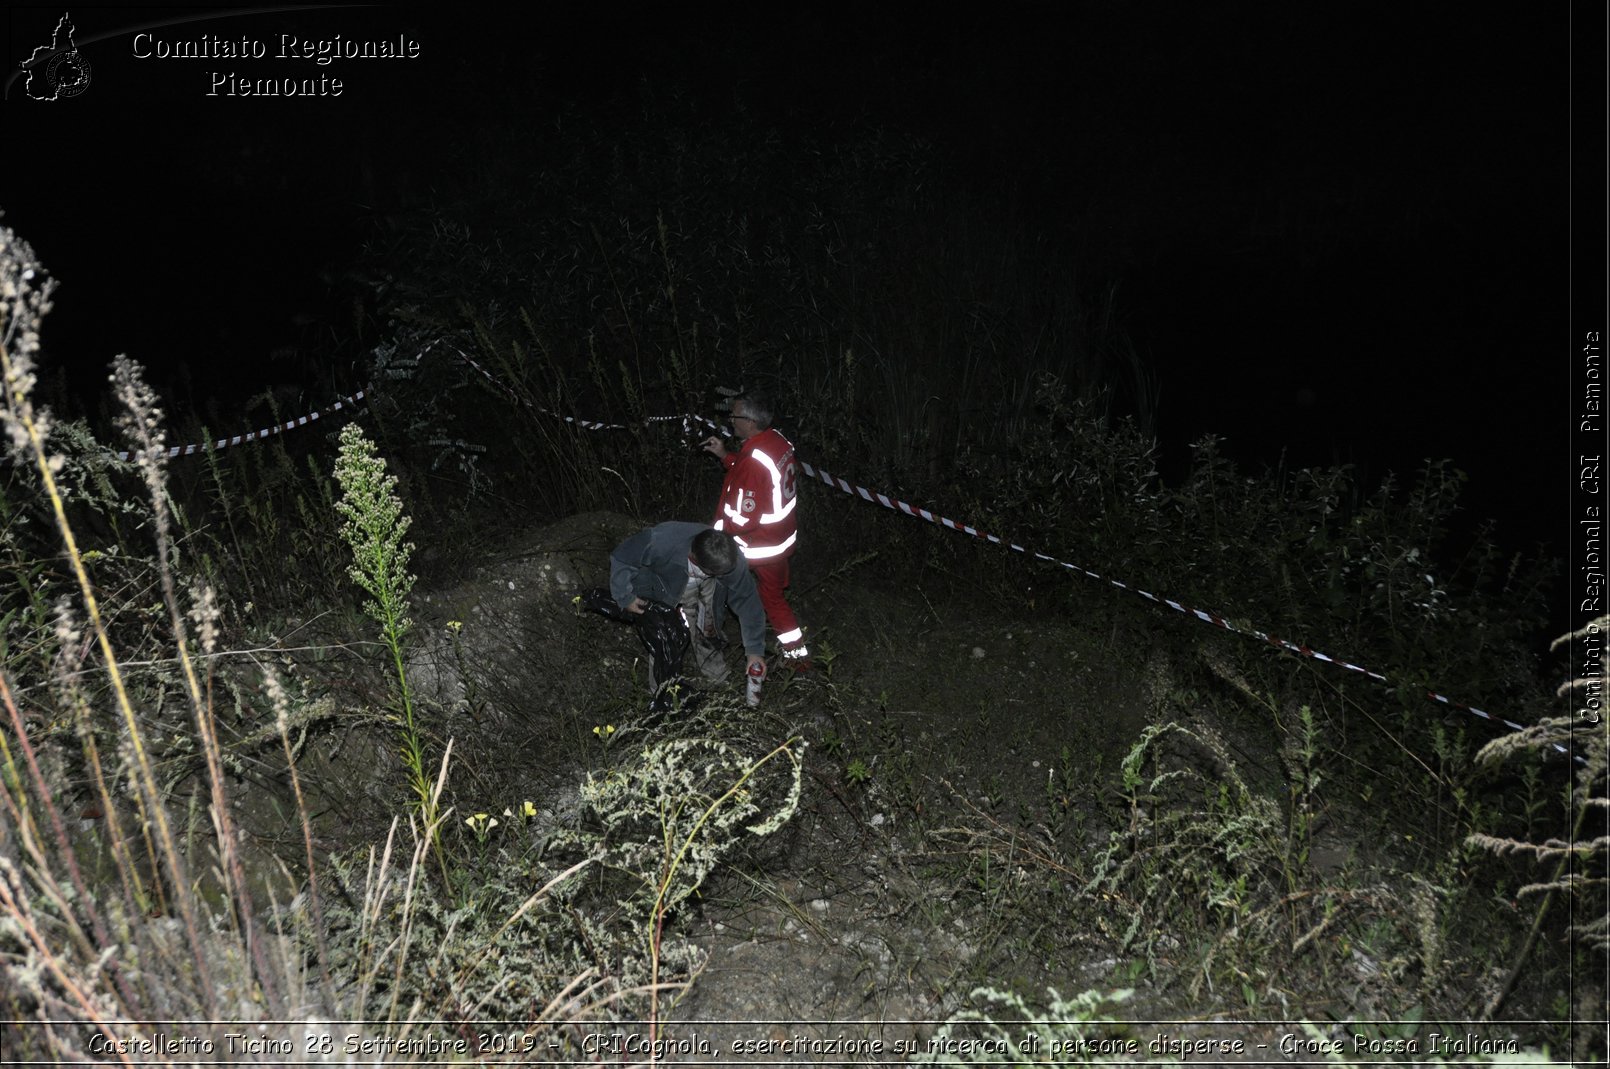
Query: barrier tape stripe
<point>353,401</point>
<point>1206,617</point>
<point>585,424</point>
<point>257,435</point>
<point>1214,619</point>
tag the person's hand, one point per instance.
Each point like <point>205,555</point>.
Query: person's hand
<point>714,446</point>
<point>755,659</point>
<point>637,606</point>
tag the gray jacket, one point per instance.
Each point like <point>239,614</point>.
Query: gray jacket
<point>653,564</point>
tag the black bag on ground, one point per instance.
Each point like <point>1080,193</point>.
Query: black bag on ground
<point>664,633</point>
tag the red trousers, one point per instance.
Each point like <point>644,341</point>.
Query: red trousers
<point>771,579</point>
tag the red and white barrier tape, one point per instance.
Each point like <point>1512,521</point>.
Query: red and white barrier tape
<point>877,498</point>
<point>257,435</point>
<point>1213,618</point>
<point>584,424</point>
<point>1206,617</point>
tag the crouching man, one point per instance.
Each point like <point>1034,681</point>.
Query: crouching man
<point>684,564</point>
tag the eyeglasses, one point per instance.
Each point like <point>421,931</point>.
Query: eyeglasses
<point>736,418</point>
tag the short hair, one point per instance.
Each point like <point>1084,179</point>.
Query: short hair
<point>760,409</point>
<point>715,552</point>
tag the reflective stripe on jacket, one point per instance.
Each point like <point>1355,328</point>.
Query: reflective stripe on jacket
<point>758,496</point>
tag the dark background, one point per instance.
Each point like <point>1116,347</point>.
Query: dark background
<point>1339,232</point>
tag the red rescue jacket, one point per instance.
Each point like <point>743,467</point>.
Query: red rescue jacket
<point>757,499</point>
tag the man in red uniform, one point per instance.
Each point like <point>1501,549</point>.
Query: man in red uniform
<point>757,509</point>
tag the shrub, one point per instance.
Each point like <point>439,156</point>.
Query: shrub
<point>659,826</point>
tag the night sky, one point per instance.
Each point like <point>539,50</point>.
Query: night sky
<point>1340,231</point>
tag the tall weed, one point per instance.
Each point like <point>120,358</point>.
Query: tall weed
<point>147,918</point>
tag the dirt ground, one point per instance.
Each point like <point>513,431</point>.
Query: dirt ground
<point>960,765</point>
<point>929,722</point>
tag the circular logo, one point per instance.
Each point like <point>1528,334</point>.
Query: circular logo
<point>67,74</point>
<point>748,504</point>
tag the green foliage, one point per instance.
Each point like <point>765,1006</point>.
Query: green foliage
<point>1371,576</point>
<point>1303,553</point>
<point>1577,861</point>
<point>374,525</point>
<point>1212,867</point>
<point>1312,553</point>
<point>1079,1031</point>
<point>505,947</point>
<point>659,826</point>
<point>136,936</point>
<point>76,949</point>
<point>257,516</point>
<point>546,923</point>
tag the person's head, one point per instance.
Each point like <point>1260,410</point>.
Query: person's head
<point>715,552</point>
<point>751,414</point>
